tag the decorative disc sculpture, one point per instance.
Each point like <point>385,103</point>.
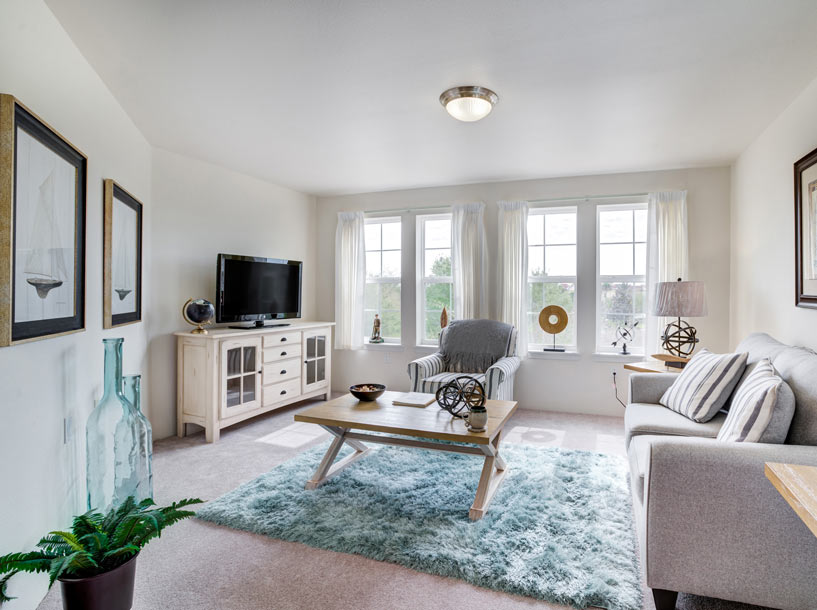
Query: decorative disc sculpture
<point>460,395</point>
<point>679,338</point>
<point>553,320</point>
<point>199,313</point>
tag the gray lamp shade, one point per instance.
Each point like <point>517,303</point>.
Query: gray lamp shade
<point>680,299</point>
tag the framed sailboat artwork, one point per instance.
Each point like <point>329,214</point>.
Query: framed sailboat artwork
<point>42,228</point>
<point>122,265</point>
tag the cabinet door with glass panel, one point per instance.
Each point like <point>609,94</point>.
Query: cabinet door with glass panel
<point>240,376</point>
<point>316,360</point>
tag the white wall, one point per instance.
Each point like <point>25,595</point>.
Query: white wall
<point>560,384</point>
<point>763,228</point>
<point>42,480</point>
<point>200,210</point>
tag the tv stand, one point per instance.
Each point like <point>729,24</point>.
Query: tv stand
<point>260,324</point>
<point>227,376</point>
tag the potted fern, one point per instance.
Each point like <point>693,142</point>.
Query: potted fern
<point>95,562</point>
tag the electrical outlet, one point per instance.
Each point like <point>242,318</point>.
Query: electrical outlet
<point>386,357</point>
<point>67,429</point>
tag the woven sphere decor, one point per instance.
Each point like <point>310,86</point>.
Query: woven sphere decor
<point>460,395</point>
<point>679,338</point>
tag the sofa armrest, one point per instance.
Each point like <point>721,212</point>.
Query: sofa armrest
<point>716,526</point>
<point>650,387</point>
<point>501,370</point>
<point>425,367</point>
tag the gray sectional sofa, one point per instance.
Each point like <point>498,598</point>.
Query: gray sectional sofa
<point>709,521</point>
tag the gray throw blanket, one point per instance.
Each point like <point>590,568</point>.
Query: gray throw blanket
<point>472,346</point>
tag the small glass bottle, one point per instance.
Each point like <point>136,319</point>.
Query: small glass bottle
<point>131,388</point>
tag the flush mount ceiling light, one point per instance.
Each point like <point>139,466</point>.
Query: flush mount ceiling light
<point>470,103</point>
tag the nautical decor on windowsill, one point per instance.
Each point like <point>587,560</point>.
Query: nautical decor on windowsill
<point>553,320</point>
<point>118,456</point>
<point>444,318</point>
<point>625,334</point>
<point>376,338</point>
<point>199,313</point>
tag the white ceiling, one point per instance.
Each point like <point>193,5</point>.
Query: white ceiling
<point>332,96</point>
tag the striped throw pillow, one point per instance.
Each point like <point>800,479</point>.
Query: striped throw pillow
<point>752,405</point>
<point>704,385</point>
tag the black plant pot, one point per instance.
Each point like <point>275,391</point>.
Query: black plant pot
<point>109,591</point>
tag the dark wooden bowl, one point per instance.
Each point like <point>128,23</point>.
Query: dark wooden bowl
<point>367,395</point>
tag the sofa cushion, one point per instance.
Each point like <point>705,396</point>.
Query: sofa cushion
<point>753,404</point>
<point>644,418</point>
<point>639,457</point>
<point>778,427</point>
<point>705,384</point>
<point>798,368</point>
<point>430,385</point>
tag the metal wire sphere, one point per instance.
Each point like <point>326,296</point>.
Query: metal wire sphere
<point>679,338</point>
<point>460,394</point>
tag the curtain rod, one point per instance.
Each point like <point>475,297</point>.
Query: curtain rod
<point>533,201</point>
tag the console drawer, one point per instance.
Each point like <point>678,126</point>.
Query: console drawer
<point>282,370</point>
<point>276,339</point>
<point>278,392</point>
<point>282,352</point>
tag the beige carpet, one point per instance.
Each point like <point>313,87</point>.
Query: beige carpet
<point>196,565</point>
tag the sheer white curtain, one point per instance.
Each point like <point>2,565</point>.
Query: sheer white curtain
<point>468,260</point>
<point>667,253</point>
<point>350,280</point>
<point>512,257</point>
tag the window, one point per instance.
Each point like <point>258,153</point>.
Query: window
<point>551,271</point>
<point>434,282</point>
<point>621,264</point>
<point>383,271</point>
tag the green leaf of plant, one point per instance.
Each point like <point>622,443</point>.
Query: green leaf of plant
<point>69,538</point>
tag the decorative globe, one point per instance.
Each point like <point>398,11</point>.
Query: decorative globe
<point>198,312</point>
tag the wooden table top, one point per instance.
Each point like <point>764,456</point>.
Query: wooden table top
<point>651,366</point>
<point>798,485</point>
<point>427,422</point>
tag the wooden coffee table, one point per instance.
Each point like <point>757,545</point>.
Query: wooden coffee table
<point>430,425</point>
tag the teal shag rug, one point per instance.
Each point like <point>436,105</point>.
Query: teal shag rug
<point>559,529</point>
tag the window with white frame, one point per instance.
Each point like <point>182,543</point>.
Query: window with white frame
<point>621,267</point>
<point>383,272</point>
<point>434,281</point>
<point>551,271</point>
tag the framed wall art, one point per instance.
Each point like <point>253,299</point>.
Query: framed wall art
<point>42,228</point>
<point>805,230</point>
<point>122,268</point>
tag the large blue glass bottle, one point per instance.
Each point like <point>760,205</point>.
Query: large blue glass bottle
<point>112,443</point>
<point>131,388</point>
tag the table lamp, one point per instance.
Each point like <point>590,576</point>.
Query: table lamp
<point>679,300</point>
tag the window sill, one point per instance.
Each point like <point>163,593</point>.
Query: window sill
<point>543,355</point>
<point>383,347</point>
<point>613,357</point>
<point>426,349</point>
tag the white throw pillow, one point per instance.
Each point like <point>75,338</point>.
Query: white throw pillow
<point>752,406</point>
<point>704,386</point>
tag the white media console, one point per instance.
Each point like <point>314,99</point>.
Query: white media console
<point>229,375</point>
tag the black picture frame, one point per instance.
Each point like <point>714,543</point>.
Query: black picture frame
<point>805,231</point>
<point>19,203</point>
<point>113,193</point>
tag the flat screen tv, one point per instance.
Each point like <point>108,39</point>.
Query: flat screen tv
<point>255,289</point>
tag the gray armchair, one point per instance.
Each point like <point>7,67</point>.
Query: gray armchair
<point>491,351</point>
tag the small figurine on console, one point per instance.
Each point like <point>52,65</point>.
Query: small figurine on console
<point>376,338</point>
